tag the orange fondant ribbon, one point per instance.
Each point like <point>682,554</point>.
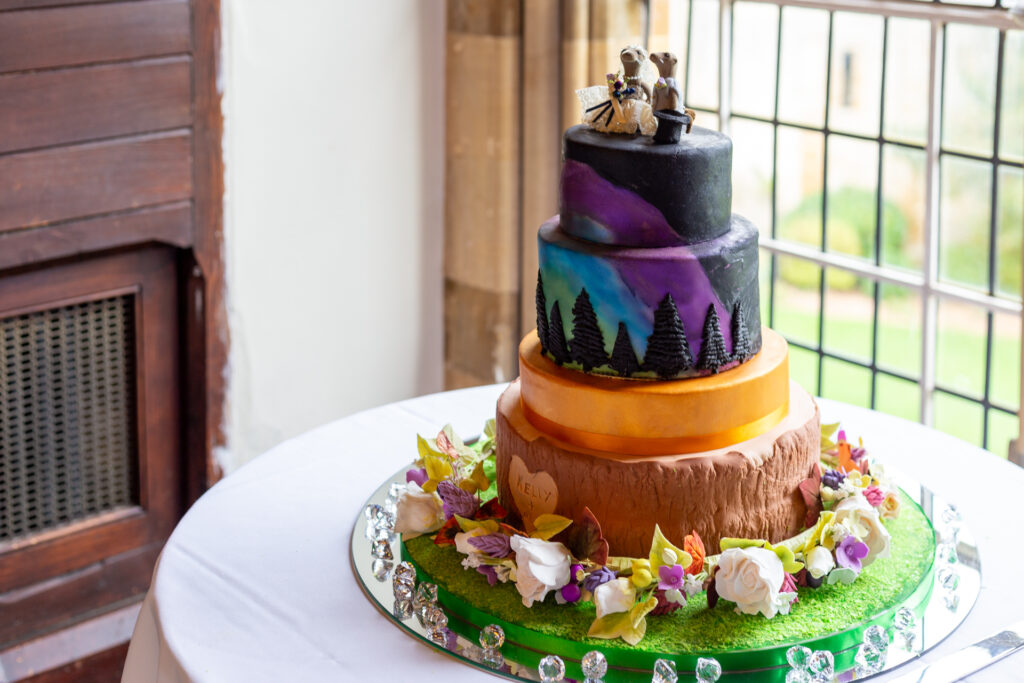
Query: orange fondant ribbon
<point>681,445</point>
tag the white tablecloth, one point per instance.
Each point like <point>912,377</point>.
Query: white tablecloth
<point>255,582</point>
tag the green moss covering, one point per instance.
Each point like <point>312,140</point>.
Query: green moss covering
<point>695,628</point>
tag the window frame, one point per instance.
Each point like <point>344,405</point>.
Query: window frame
<point>926,283</point>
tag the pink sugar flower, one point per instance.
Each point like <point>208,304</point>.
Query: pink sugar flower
<point>874,495</point>
<point>671,578</point>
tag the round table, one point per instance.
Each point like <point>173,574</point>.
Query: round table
<point>255,582</point>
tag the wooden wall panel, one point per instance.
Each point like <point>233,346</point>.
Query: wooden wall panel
<point>164,223</point>
<point>92,179</point>
<point>46,108</point>
<point>68,36</point>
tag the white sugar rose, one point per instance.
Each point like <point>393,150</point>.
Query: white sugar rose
<point>541,567</point>
<point>418,512</point>
<point>820,561</point>
<point>750,577</point>
<point>857,513</point>
<point>617,595</point>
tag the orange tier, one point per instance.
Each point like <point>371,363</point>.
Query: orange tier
<point>638,417</point>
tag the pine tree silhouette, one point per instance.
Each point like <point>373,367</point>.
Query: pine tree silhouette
<point>740,340</point>
<point>587,346</point>
<point>556,337</point>
<point>542,315</point>
<point>712,349</point>
<point>623,359</point>
<point>668,352</point>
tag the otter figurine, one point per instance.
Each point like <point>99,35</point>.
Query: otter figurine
<point>667,94</point>
<point>633,58</point>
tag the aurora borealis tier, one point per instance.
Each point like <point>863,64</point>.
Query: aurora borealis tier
<point>627,284</point>
<point>626,190</point>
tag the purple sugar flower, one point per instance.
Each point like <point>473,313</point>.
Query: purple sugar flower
<point>418,476</point>
<point>490,572</point>
<point>857,453</point>
<point>833,478</point>
<point>671,578</point>
<point>850,552</point>
<point>456,501</point>
<point>597,577</point>
<point>497,546</point>
<point>571,592</point>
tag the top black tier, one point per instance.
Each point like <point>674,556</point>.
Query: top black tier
<point>627,190</point>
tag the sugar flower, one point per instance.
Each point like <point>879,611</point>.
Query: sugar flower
<point>598,577</point>
<point>692,585</point>
<point>819,562</point>
<point>642,577</point>
<point>866,525</point>
<point>416,475</point>
<point>417,512</point>
<point>751,578</point>
<point>874,495</point>
<point>832,478</point>
<point>457,501</point>
<point>541,567</point>
<point>890,508</point>
<point>670,578</point>
<point>850,552</point>
<point>614,596</point>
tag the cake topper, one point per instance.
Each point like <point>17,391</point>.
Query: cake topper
<point>623,104</point>
<point>636,101</point>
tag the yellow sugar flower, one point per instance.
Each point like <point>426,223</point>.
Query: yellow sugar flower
<point>642,577</point>
<point>822,534</point>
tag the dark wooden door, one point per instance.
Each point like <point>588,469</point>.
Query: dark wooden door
<point>112,325</point>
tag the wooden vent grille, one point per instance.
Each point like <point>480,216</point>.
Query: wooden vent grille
<point>67,415</point>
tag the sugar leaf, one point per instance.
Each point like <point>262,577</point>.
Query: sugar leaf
<point>548,525</point>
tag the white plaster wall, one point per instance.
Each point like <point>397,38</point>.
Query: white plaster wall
<point>333,136</point>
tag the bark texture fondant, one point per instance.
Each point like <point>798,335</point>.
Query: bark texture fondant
<point>749,491</point>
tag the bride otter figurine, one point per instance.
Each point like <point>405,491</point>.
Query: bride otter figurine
<point>623,105</point>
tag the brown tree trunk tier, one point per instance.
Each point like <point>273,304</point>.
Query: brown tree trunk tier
<point>750,490</point>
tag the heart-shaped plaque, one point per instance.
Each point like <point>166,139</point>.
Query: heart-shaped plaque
<point>534,493</point>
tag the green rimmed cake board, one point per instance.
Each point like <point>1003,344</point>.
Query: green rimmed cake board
<point>831,617</point>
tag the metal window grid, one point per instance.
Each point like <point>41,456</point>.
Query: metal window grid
<point>926,283</point>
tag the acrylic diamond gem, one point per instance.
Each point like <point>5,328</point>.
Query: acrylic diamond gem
<point>395,492</point>
<point>798,657</point>
<point>947,554</point>
<point>402,609</point>
<point>551,669</point>
<point>436,619</point>
<point>708,670</point>
<point>406,571</point>
<point>877,637</point>
<point>951,515</point>
<point>373,513</point>
<point>664,672</point>
<point>492,637</point>
<point>492,658</point>
<point>951,600</point>
<point>904,619</point>
<point>380,569</point>
<point>821,666</point>
<point>403,591</point>
<point>798,676</point>
<point>949,578</point>
<point>426,594</point>
<point>382,550</point>
<point>594,665</point>
<point>868,660</point>
<point>386,521</point>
